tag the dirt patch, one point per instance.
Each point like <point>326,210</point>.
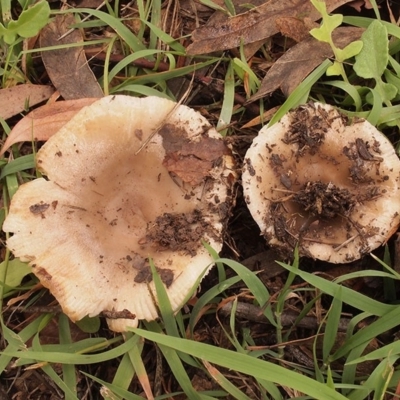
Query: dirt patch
<point>308,130</point>
<point>362,154</point>
<point>39,208</point>
<point>178,232</point>
<point>145,275</point>
<point>325,200</point>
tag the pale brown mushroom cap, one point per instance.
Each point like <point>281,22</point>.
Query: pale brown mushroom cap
<point>327,183</point>
<point>90,229</point>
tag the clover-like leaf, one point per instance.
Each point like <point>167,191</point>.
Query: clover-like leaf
<point>349,51</point>
<point>329,22</point>
<point>335,69</point>
<point>29,23</point>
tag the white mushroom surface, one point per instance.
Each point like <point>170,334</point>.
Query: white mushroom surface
<point>324,182</point>
<point>90,228</point>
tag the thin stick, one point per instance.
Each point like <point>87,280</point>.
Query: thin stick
<point>83,20</point>
<point>164,121</point>
<point>346,242</point>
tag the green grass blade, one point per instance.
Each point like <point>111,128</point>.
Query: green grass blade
<point>228,101</point>
<point>124,32</point>
<point>381,325</point>
<point>122,393</point>
<point>211,296</point>
<point>69,376</point>
<point>163,303</point>
<point>349,296</point>
<point>46,368</point>
<point>350,90</point>
<point>332,325</point>
<point>392,349</point>
<point>161,77</point>
<point>253,283</point>
<point>364,22</point>
<point>59,357</point>
<point>245,364</point>
<point>350,370</point>
<point>300,94</point>
<point>175,363</point>
<point>18,165</point>
<point>49,371</point>
<point>128,60</point>
<point>17,341</point>
<point>138,365</point>
<point>224,382</point>
<point>159,34</point>
<point>376,381</point>
<point>141,90</point>
<point>125,371</point>
<point>155,17</point>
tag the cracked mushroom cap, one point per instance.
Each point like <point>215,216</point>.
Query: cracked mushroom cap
<point>90,228</point>
<point>325,182</point>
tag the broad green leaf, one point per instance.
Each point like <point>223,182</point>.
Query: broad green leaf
<point>89,324</point>
<point>372,60</point>
<point>29,23</point>
<point>387,91</point>
<point>16,271</point>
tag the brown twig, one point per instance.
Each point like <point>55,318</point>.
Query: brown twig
<point>254,313</point>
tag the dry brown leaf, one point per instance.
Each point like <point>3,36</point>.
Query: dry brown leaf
<point>358,4</point>
<point>68,68</point>
<point>190,161</point>
<point>15,99</point>
<point>301,60</point>
<point>252,26</point>
<point>44,122</point>
<point>293,28</point>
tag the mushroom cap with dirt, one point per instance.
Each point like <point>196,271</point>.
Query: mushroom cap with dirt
<point>325,182</point>
<point>129,180</point>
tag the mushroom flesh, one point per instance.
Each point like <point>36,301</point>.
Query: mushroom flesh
<point>323,182</point>
<point>128,180</point>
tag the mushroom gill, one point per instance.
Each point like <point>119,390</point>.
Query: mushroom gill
<point>90,229</point>
<point>324,182</point>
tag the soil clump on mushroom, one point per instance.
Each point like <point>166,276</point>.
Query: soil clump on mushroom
<point>178,232</point>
